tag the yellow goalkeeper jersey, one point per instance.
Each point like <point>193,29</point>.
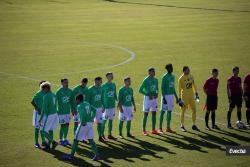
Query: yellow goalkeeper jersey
<point>187,86</point>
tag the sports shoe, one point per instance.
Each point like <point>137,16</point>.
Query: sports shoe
<point>85,142</point>
<point>110,137</point>
<point>155,132</point>
<point>54,144</point>
<point>229,126</point>
<point>67,143</point>
<point>61,142</point>
<point>37,145</point>
<point>160,131</point>
<point>96,158</point>
<point>169,130</point>
<point>207,128</point>
<point>194,127</point>
<point>67,157</point>
<point>101,140</point>
<point>130,135</point>
<point>104,138</point>
<point>215,127</point>
<point>44,144</point>
<point>145,133</point>
<point>121,136</point>
<point>183,129</point>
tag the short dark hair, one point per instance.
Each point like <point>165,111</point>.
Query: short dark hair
<point>85,80</point>
<point>46,86</point>
<point>235,68</point>
<point>151,69</point>
<point>126,78</point>
<point>214,70</point>
<point>41,82</point>
<point>79,97</point>
<point>109,73</point>
<point>185,68</point>
<point>169,67</point>
<point>64,79</point>
<point>98,78</point>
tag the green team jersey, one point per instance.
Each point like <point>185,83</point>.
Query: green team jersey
<point>86,112</point>
<point>126,96</point>
<point>149,86</point>
<point>168,85</point>
<point>95,96</point>
<point>38,100</point>
<point>109,95</point>
<point>49,104</point>
<point>64,100</point>
<point>77,91</point>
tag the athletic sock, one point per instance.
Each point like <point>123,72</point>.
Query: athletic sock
<point>36,135</point>
<point>42,136</point>
<point>93,146</point>
<point>110,126</point>
<point>153,121</point>
<point>66,130</point>
<point>229,117</point>
<point>168,118</point>
<point>75,128</point>
<point>99,129</point>
<point>61,132</point>
<point>74,147</point>
<point>51,137</point>
<point>144,122</point>
<point>103,127</point>
<point>120,127</point>
<point>239,116</point>
<point>206,118</point>
<point>128,127</point>
<point>213,118</point>
<point>248,116</point>
<point>48,137</point>
<point>161,118</point>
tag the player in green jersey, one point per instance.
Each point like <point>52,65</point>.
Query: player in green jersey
<point>83,90</point>
<point>149,88</point>
<point>125,103</point>
<point>96,100</point>
<point>109,99</point>
<point>168,94</point>
<point>49,117</point>
<point>85,128</point>
<point>37,102</point>
<point>65,104</point>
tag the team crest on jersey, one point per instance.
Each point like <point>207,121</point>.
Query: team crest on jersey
<point>97,97</point>
<point>111,94</point>
<point>128,98</point>
<point>153,87</point>
<point>65,99</point>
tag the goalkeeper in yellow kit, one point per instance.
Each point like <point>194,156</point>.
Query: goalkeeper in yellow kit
<point>188,94</point>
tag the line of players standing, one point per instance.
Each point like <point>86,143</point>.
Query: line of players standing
<point>98,104</point>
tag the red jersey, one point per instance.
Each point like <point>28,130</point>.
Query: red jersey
<point>247,83</point>
<point>211,86</point>
<point>234,85</point>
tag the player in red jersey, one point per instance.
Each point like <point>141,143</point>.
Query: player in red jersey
<point>234,92</point>
<point>210,88</point>
<point>246,95</point>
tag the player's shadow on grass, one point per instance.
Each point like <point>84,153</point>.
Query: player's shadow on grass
<point>234,135</point>
<point>123,150</point>
<point>175,6</point>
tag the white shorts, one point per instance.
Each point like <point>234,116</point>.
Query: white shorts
<point>149,104</point>
<point>109,114</point>
<point>76,117</point>
<point>127,114</point>
<point>170,103</point>
<point>35,119</point>
<point>49,122</point>
<point>84,132</point>
<point>64,118</point>
<point>99,115</point>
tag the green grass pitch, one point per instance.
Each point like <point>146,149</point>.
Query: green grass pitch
<point>50,39</point>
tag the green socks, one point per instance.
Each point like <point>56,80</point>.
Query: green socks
<point>93,146</point>
<point>153,121</point>
<point>103,127</point>
<point>161,118</point>
<point>75,128</point>
<point>42,136</point>
<point>74,147</point>
<point>128,127</point>
<point>61,133</point>
<point>64,132</point>
<point>51,137</point>
<point>144,123</point>
<point>120,127</point>
<point>168,118</point>
<point>36,135</point>
<point>110,125</point>
<point>99,129</point>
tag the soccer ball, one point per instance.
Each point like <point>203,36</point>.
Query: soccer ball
<point>239,125</point>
